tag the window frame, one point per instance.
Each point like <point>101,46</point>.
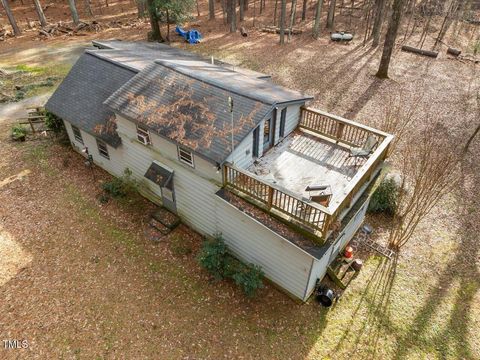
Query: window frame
<point>78,137</point>
<point>144,131</point>
<point>103,153</point>
<point>181,149</point>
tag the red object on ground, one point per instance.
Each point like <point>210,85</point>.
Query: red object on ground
<point>348,252</point>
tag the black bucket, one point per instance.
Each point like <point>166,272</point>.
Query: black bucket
<point>325,296</point>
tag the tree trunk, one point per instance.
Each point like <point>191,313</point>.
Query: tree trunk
<point>11,18</point>
<point>275,13</point>
<point>318,14</point>
<point>168,25</point>
<point>88,7</point>
<point>198,9</point>
<point>304,10</point>
<point>378,22</point>
<point>155,34</point>
<point>447,21</point>
<point>73,10</point>
<point>242,9</point>
<point>283,14</point>
<point>331,14</point>
<point>211,9</point>
<point>390,39</point>
<point>232,15</point>
<point>245,5</point>
<point>41,15</point>
<point>140,8</point>
<point>292,18</point>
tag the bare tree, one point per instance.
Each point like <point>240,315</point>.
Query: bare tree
<point>293,13</point>
<point>11,18</point>
<point>242,9</point>
<point>318,14</point>
<point>211,9</point>
<point>73,10</point>
<point>141,8</point>
<point>232,15</point>
<point>275,11</point>
<point>304,10</point>
<point>331,14</point>
<point>390,39</point>
<point>283,14</point>
<point>41,15</point>
<point>447,21</point>
<point>430,168</point>
<point>378,22</point>
<point>88,7</point>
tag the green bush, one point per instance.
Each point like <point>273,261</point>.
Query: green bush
<point>18,132</point>
<point>212,256</point>
<point>122,186</point>
<point>215,259</point>
<point>384,198</point>
<point>249,279</point>
<point>53,122</point>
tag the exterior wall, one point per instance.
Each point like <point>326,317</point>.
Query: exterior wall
<point>319,269</point>
<point>194,187</point>
<point>283,263</point>
<point>243,154</point>
<point>114,166</point>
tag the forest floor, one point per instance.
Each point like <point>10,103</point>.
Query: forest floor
<point>79,279</point>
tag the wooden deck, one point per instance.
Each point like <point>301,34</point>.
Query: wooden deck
<point>316,154</point>
<point>303,159</point>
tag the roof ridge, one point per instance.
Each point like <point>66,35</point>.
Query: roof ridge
<point>97,53</point>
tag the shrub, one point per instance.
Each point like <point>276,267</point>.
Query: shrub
<point>215,259</point>
<point>19,132</point>
<point>212,256</point>
<point>384,198</point>
<point>249,278</point>
<point>53,122</point>
<point>122,186</point>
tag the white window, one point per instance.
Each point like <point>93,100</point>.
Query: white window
<point>185,156</point>
<point>102,149</point>
<point>77,134</point>
<point>143,135</point>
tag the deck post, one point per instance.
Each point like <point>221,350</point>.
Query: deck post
<point>270,197</point>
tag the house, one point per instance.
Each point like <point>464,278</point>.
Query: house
<point>228,151</point>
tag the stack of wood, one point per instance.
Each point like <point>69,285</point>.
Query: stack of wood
<point>68,29</point>
<point>276,30</point>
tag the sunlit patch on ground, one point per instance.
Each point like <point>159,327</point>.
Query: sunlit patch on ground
<point>13,178</point>
<point>13,257</point>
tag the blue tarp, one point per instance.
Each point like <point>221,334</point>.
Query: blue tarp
<point>192,36</point>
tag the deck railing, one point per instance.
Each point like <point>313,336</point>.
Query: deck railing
<point>313,216</point>
<point>338,129</point>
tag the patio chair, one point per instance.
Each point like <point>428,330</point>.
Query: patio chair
<point>365,151</point>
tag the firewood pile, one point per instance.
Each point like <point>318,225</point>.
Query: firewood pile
<point>68,29</point>
<point>276,30</point>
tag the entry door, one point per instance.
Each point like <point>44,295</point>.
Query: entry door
<point>168,196</point>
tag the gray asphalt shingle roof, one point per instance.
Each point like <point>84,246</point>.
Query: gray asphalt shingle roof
<point>79,98</point>
<point>188,111</point>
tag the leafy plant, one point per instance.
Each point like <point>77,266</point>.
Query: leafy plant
<point>179,246</point>
<point>249,278</point>
<point>216,260</point>
<point>18,132</point>
<point>122,186</point>
<point>53,122</point>
<point>385,198</point>
<point>212,256</point>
